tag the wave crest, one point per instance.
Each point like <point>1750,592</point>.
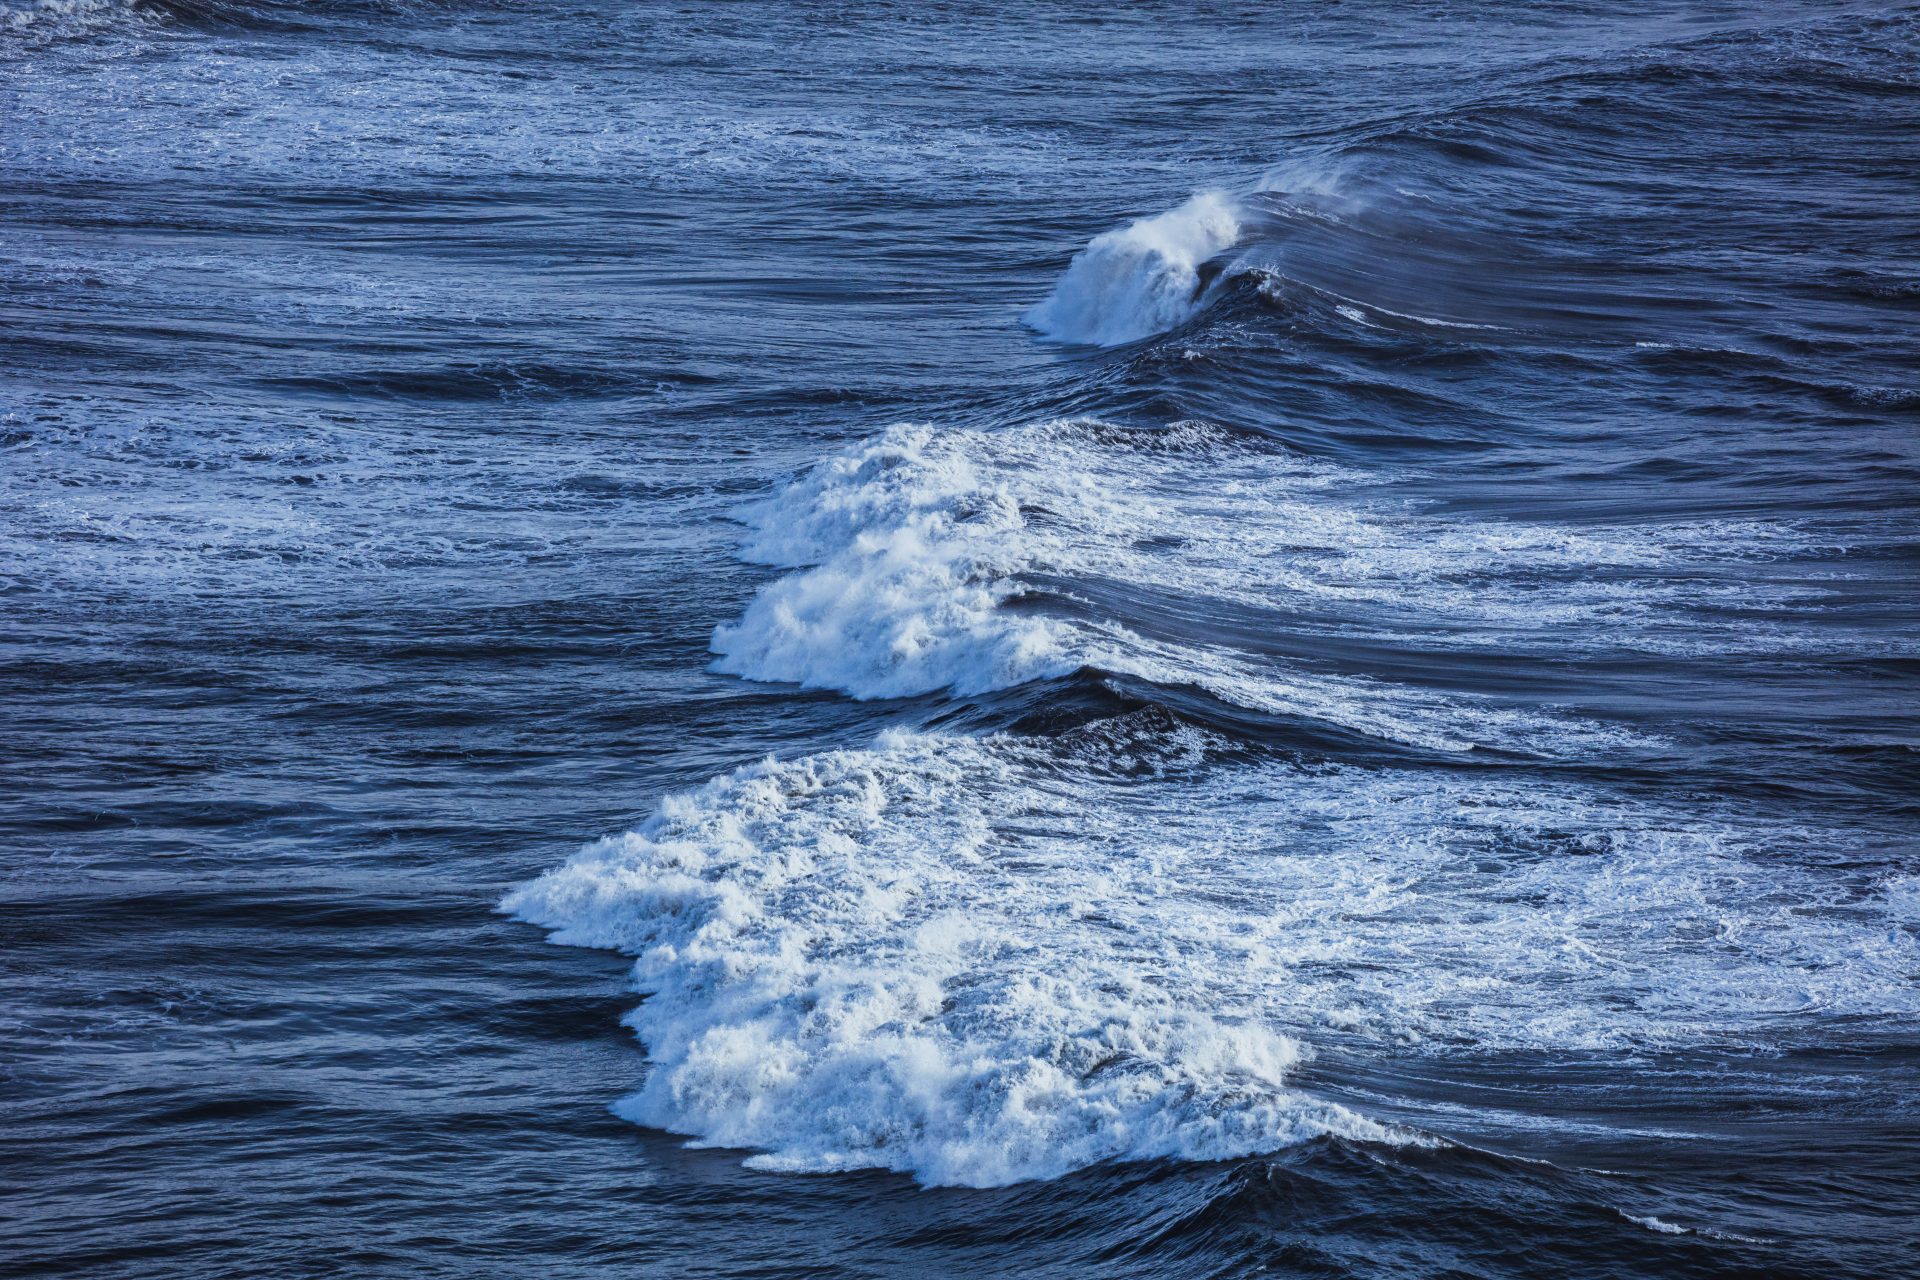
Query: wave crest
<point>912,554</point>
<point>971,561</point>
<point>984,960</point>
<point>1141,279</point>
<point>843,972</point>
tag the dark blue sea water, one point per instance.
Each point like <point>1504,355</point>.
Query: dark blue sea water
<point>1165,641</point>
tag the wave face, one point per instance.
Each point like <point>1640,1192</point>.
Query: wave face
<point>1252,639</point>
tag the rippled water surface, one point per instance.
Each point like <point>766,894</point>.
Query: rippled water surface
<point>1167,641</point>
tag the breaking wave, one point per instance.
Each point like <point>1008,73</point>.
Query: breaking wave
<point>985,960</point>
<point>962,560</point>
<point>1141,279</point>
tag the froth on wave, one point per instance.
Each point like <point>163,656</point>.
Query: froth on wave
<point>924,560</point>
<point>848,966</point>
<point>1141,279</point>
<point>909,554</point>
<point>980,961</point>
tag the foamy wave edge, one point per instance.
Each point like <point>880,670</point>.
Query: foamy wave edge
<point>819,992</point>
<point>1140,279</point>
<point>905,550</point>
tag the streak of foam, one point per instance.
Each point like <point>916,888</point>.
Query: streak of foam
<point>979,961</point>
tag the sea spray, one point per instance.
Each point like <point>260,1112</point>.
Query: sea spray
<point>1139,280</point>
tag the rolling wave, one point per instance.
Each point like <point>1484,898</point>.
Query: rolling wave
<point>1142,279</point>
<point>986,960</point>
<point>973,561</point>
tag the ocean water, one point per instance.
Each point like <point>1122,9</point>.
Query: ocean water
<point>906,640</point>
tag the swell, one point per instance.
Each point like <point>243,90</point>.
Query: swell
<point>1464,220</point>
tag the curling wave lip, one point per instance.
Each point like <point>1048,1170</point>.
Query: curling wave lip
<point>1141,279</point>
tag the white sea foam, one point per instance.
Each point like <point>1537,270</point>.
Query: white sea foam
<point>849,966</point>
<point>911,553</point>
<point>1140,279</point>
<point>64,17</point>
<point>981,961</point>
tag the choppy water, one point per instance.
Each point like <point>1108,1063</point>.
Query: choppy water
<point>1226,639</point>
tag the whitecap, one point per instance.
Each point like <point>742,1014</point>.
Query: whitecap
<point>1139,280</point>
<point>915,561</point>
<point>979,961</point>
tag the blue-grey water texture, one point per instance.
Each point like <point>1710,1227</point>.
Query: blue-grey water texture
<point>959,639</point>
